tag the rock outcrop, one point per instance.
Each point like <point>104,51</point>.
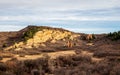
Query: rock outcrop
<point>90,37</point>
<point>45,35</point>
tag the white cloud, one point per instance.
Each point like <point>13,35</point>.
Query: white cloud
<point>52,10</point>
<point>90,30</point>
<point>59,4</point>
<point>57,18</point>
<point>11,27</point>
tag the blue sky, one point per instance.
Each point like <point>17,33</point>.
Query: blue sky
<point>86,16</point>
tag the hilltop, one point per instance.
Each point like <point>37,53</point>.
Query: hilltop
<point>35,36</point>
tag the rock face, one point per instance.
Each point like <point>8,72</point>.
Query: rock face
<point>90,37</point>
<point>43,36</point>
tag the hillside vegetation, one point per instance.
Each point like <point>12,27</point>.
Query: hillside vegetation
<point>114,35</point>
<point>41,50</point>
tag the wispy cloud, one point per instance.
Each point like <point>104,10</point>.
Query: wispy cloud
<point>91,30</point>
<point>37,18</point>
<point>59,4</point>
<point>26,10</point>
<point>10,27</point>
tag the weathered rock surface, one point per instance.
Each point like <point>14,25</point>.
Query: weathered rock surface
<point>41,37</point>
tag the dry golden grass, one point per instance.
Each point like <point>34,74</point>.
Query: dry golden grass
<point>52,55</point>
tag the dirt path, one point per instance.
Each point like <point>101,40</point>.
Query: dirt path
<point>52,55</point>
<point>87,53</point>
<point>5,59</point>
<point>61,53</point>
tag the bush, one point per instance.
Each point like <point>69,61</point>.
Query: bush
<point>3,67</point>
<point>114,36</point>
<point>83,37</point>
<point>88,37</point>
<point>4,45</point>
<point>63,65</point>
<point>115,70</point>
<point>31,32</point>
<point>22,55</point>
<point>82,58</point>
<point>1,57</point>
